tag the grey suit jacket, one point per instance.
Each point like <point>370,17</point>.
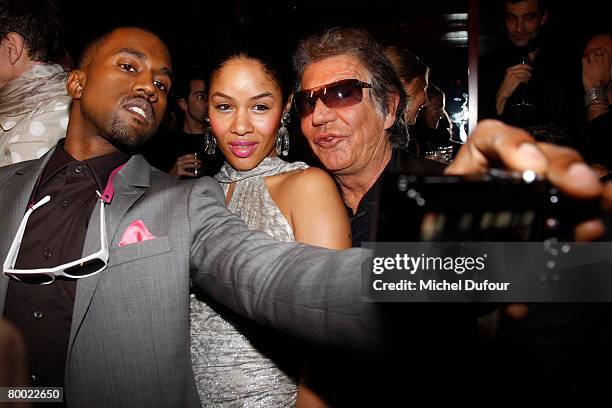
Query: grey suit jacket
<point>129,341</point>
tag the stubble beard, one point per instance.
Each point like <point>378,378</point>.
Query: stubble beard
<point>125,138</point>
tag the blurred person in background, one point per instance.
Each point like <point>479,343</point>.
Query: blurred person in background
<point>187,151</point>
<point>597,83</point>
<point>529,81</point>
<point>34,102</point>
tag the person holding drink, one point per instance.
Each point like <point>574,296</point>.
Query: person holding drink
<point>187,151</point>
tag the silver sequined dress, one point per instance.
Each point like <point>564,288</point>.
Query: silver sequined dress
<point>237,363</point>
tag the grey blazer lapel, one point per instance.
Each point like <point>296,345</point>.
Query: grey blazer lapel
<point>14,202</point>
<point>128,184</point>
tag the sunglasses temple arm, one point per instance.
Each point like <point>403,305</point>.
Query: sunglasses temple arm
<point>43,201</point>
<point>11,258</point>
<point>103,226</point>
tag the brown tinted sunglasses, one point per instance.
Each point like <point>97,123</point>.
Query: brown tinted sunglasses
<point>345,92</point>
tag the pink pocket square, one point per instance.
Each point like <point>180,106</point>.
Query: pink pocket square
<point>136,232</point>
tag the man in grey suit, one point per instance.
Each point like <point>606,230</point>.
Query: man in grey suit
<point>125,331</point>
<point>120,337</point>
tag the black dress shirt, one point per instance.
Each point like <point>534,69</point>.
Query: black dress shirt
<point>55,234</point>
<point>402,161</point>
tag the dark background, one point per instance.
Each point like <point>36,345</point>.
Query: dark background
<point>194,30</point>
<point>435,29</point>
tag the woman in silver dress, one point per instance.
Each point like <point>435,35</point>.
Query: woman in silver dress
<point>237,363</point>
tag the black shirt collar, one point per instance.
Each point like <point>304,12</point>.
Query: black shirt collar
<point>368,201</point>
<point>101,166</point>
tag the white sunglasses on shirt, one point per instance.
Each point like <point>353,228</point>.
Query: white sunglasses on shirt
<point>81,268</point>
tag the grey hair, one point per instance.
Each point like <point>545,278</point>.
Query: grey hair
<point>382,76</point>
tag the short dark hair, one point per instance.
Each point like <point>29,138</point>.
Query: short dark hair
<point>542,5</point>
<point>38,22</point>
<point>182,85</point>
<point>91,47</point>
<point>361,45</point>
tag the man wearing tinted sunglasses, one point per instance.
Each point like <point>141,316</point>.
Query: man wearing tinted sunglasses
<point>351,103</point>
<point>114,330</point>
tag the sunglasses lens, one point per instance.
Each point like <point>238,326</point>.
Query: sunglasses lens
<point>305,104</point>
<point>34,279</point>
<point>345,94</point>
<point>339,94</point>
<point>86,268</point>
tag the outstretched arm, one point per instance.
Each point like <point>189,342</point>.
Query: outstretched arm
<point>311,293</point>
<point>495,144</point>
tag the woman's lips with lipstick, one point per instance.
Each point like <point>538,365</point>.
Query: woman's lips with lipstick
<point>242,149</point>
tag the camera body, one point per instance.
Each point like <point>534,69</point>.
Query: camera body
<point>499,206</point>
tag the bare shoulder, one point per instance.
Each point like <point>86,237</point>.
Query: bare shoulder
<point>310,201</point>
<point>307,181</point>
<point>311,187</point>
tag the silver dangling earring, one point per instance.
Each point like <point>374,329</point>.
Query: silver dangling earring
<point>282,137</point>
<point>210,144</point>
